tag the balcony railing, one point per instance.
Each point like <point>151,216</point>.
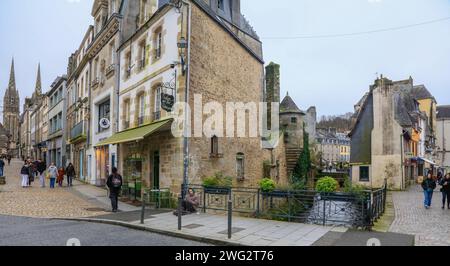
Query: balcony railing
<point>77,131</point>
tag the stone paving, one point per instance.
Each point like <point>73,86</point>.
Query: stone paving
<point>431,227</point>
<point>41,202</point>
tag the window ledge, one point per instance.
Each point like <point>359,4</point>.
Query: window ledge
<point>215,155</point>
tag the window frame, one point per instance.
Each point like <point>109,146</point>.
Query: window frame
<point>367,170</point>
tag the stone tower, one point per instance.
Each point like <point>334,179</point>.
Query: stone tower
<point>272,89</point>
<point>11,112</point>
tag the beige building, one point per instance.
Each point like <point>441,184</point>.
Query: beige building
<point>169,59</point>
<point>443,137</point>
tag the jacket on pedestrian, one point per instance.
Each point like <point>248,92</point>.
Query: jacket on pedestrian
<point>112,188</point>
<point>70,171</point>
<point>429,184</point>
<point>2,164</point>
<point>41,167</point>
<point>445,187</point>
<point>60,175</point>
<point>53,171</point>
<point>25,170</point>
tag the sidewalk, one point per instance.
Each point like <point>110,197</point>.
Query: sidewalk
<point>211,228</point>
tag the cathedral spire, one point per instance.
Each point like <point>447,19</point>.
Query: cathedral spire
<point>12,77</point>
<point>38,88</point>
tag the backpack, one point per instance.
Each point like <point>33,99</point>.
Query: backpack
<point>116,181</point>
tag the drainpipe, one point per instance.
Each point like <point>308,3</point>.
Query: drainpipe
<point>188,72</point>
<point>117,95</point>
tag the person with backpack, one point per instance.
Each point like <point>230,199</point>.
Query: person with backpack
<point>428,185</point>
<point>52,173</point>
<point>114,184</point>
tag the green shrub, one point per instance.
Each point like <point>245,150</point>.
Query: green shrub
<point>327,185</point>
<point>267,185</point>
<point>218,180</point>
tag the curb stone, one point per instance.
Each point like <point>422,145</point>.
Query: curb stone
<point>153,230</point>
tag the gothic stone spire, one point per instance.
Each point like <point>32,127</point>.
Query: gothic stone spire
<point>12,78</point>
<point>38,89</point>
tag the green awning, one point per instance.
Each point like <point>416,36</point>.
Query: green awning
<point>137,134</point>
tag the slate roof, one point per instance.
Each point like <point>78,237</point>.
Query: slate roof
<point>406,108</point>
<point>288,106</point>
<point>420,92</point>
<point>443,111</point>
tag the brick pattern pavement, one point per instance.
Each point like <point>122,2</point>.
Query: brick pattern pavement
<point>431,227</point>
<point>40,203</point>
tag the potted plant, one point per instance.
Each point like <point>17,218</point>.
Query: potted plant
<point>217,184</point>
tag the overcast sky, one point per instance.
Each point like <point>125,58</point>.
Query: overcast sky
<point>331,73</point>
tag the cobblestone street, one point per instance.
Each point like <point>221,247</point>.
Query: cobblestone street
<point>40,203</point>
<point>431,227</point>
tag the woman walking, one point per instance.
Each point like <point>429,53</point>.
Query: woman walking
<point>53,173</point>
<point>25,173</point>
<point>70,172</point>
<point>428,185</point>
<point>60,177</point>
<point>445,183</point>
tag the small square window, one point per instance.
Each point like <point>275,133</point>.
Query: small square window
<point>364,174</point>
<point>294,120</point>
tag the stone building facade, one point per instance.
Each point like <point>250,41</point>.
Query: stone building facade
<point>11,114</point>
<point>386,136</point>
<point>443,137</point>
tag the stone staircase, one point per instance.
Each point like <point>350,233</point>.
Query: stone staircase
<point>292,155</point>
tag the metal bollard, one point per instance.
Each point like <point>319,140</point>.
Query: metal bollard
<point>230,217</point>
<point>143,209</point>
<point>180,203</point>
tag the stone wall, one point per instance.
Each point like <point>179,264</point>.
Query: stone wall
<point>223,71</point>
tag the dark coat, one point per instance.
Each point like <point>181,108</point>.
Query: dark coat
<point>114,190</point>
<point>41,167</point>
<point>70,171</point>
<point>429,184</point>
<point>445,188</point>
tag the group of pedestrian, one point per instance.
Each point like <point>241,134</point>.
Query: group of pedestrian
<point>429,185</point>
<point>38,169</point>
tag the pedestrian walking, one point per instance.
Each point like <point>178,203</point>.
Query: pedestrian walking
<point>25,173</point>
<point>32,168</point>
<point>2,166</point>
<point>114,184</point>
<point>60,179</point>
<point>445,189</point>
<point>70,173</point>
<point>52,173</point>
<point>9,159</point>
<point>41,166</point>
<point>428,185</point>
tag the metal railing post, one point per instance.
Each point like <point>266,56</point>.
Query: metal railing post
<point>143,209</point>
<point>230,217</point>
<point>257,204</point>
<point>324,212</point>
<point>180,203</point>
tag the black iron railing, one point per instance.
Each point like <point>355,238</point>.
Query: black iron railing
<point>357,210</point>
